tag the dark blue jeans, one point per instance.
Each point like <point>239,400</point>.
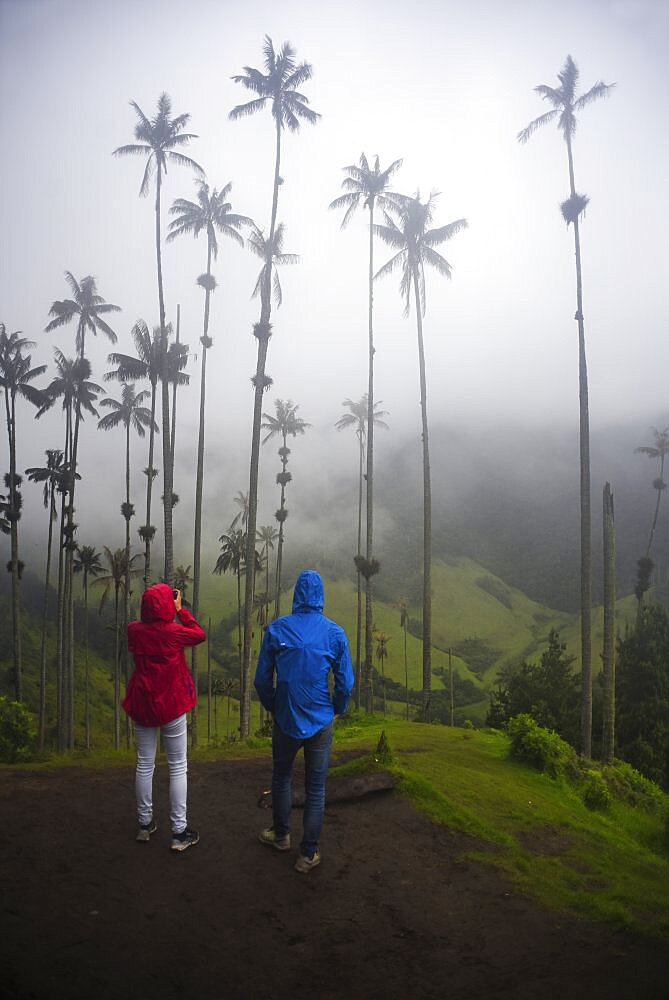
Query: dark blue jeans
<point>316,760</point>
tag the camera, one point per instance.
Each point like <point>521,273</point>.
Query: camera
<point>175,594</point>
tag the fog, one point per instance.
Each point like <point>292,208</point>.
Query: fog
<point>446,86</point>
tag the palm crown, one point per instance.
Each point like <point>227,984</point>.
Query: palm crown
<point>415,241</point>
<point>86,306</point>
<point>127,411</point>
<point>15,371</point>
<point>357,416</point>
<point>277,85</point>
<point>564,101</point>
<point>72,383</point>
<point>366,185</point>
<point>271,252</point>
<point>286,423</point>
<point>148,363</point>
<point>158,139</point>
<point>210,213</point>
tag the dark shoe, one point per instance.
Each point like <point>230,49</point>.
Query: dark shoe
<point>181,841</point>
<point>145,831</point>
<point>305,864</point>
<point>270,838</point>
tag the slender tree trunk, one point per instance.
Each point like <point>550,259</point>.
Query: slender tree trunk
<point>149,489</point>
<point>126,582</point>
<point>173,426</point>
<point>199,477</point>
<point>41,727</point>
<point>279,549</point>
<point>168,572</point>
<point>60,628</point>
<point>208,682</point>
<point>406,665</point>
<point>427,516</point>
<point>87,690</point>
<point>239,632</point>
<point>369,551</point>
<point>609,653</point>
<point>117,674</point>
<point>263,332</point>
<point>586,528</point>
<point>14,542</point>
<point>358,627</point>
<point>657,508</point>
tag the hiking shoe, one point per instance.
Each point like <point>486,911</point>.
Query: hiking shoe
<point>145,831</point>
<point>187,838</point>
<point>305,864</point>
<point>270,838</point>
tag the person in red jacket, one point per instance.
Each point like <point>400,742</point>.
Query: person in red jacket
<point>160,694</point>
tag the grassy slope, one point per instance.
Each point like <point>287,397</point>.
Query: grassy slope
<point>609,867</point>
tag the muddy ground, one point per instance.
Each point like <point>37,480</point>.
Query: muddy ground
<point>394,910</point>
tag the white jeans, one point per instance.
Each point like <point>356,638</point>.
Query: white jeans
<point>174,738</point>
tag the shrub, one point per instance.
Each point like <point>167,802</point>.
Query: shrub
<point>17,733</point>
<point>596,792</point>
<point>383,754</point>
<point>541,748</point>
<point>628,784</point>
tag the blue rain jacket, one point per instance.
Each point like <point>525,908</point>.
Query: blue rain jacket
<point>301,649</point>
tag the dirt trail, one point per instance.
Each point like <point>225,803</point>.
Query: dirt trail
<point>393,911</point>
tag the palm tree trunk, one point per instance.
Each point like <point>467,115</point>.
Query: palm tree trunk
<point>279,550</point>
<point>586,528</point>
<point>358,627</point>
<point>14,541</point>
<point>239,630</point>
<point>60,628</point>
<point>370,473</point>
<point>87,693</point>
<point>199,477</point>
<point>69,573</point>
<point>149,489</point>
<point>657,507</point>
<point>117,675</point>
<point>168,572</point>
<point>126,585</point>
<point>427,516</point>
<point>263,332</point>
<point>608,657</point>
<point>173,426</point>
<point>41,726</point>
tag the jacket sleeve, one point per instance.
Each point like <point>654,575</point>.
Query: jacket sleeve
<point>264,678</point>
<point>187,631</point>
<point>343,675</point>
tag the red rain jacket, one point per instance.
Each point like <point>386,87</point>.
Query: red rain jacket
<point>161,687</point>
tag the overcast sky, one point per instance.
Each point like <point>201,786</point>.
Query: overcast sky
<point>444,85</point>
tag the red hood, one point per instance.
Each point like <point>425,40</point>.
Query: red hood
<point>158,604</point>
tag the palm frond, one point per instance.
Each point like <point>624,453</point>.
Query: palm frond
<point>530,129</point>
<point>600,89</point>
<point>434,237</point>
<point>245,110</point>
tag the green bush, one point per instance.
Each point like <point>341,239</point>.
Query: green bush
<point>596,793</point>
<point>541,748</point>
<point>17,733</point>
<point>631,787</point>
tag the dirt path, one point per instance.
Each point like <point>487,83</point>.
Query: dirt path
<point>392,912</point>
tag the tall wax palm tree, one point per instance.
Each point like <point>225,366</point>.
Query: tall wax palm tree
<point>211,214</point>
<point>266,535</point>
<point>565,105</point>
<point>129,413</point>
<point>367,186</point>
<point>276,88</point>
<point>115,582</point>
<point>158,140</point>
<point>53,476</point>
<point>87,562</point>
<point>659,450</point>
<point>415,241</point>
<point>242,515</point>
<point>150,363</point>
<point>357,417</point>
<point>382,640</point>
<point>16,375</point>
<point>71,384</point>
<point>231,560</point>
<point>285,424</point>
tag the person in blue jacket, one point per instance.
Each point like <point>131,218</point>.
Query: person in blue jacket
<point>300,650</point>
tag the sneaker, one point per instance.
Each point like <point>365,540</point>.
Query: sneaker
<point>270,838</point>
<point>145,831</point>
<point>305,864</point>
<point>187,838</point>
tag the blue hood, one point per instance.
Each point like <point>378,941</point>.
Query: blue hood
<point>308,593</point>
